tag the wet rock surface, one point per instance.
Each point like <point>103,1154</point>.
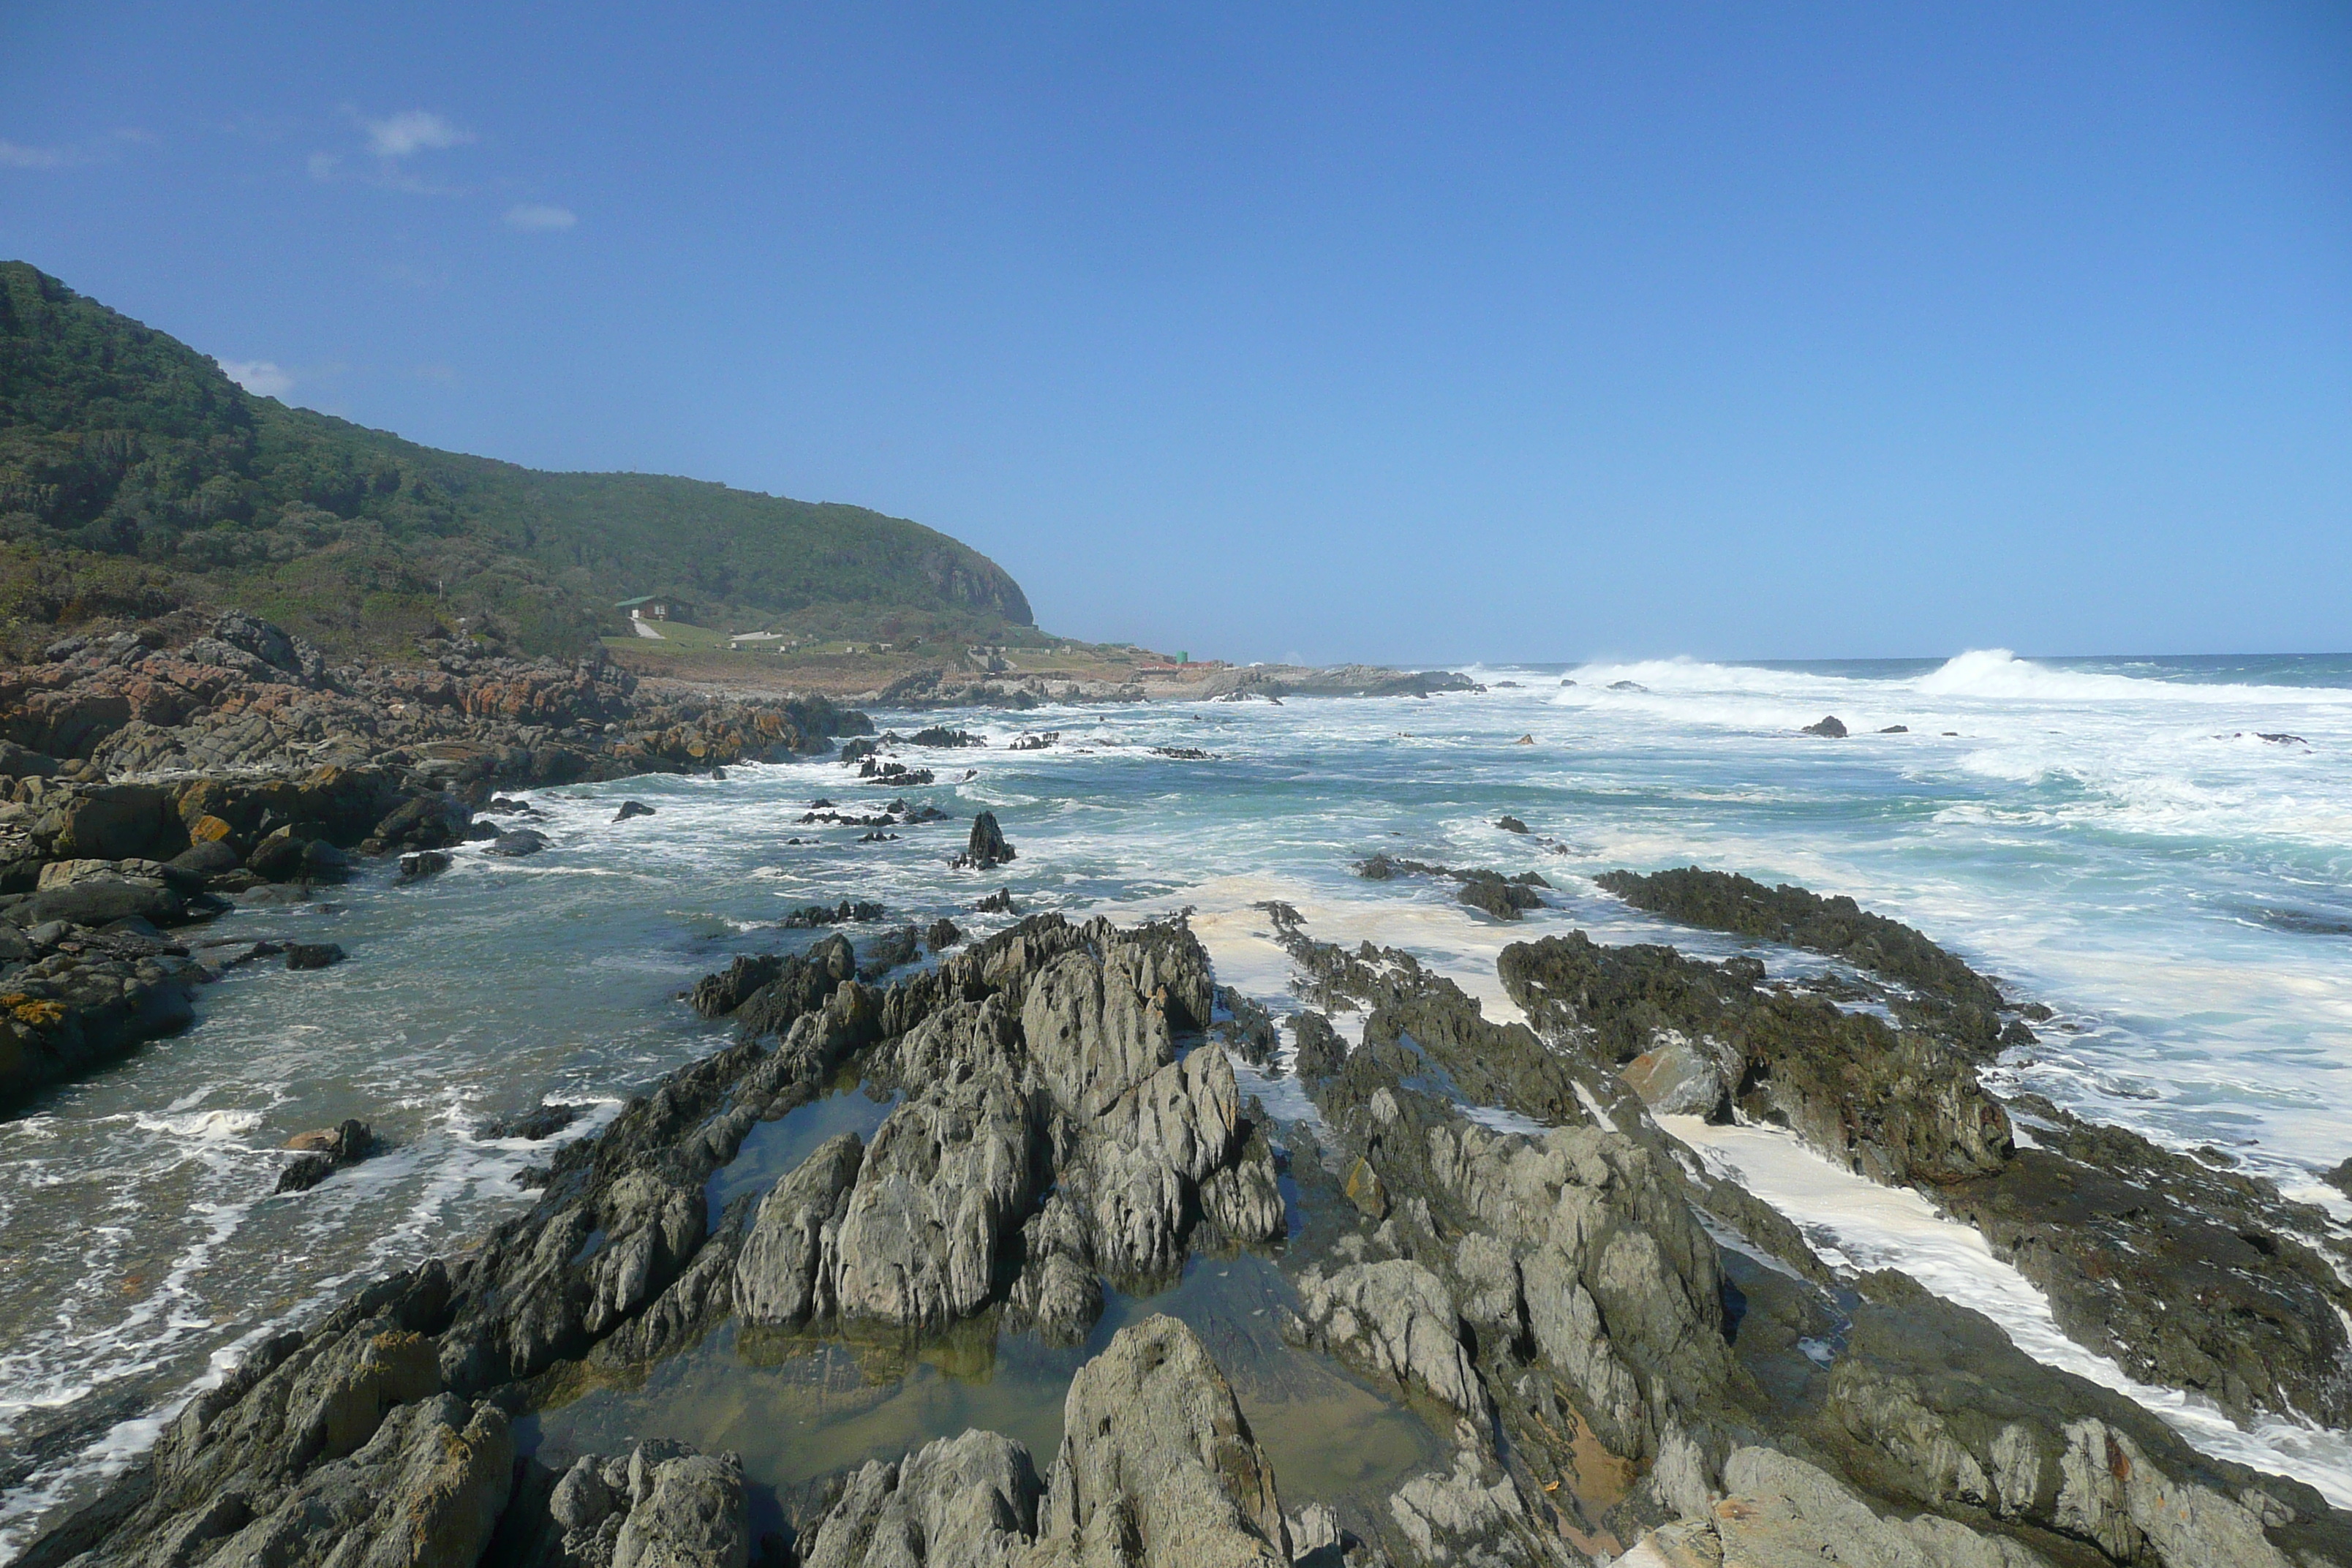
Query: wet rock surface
<point>2192,1276</point>
<point>2188,1276</point>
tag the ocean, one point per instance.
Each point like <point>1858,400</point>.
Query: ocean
<point>2159,849</point>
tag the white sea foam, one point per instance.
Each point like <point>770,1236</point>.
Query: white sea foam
<point>2000,675</point>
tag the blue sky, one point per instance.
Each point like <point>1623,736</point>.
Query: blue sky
<point>1376,332</point>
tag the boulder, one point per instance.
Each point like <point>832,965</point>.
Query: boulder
<point>1501,897</point>
<point>542,1121</point>
<point>323,1152</point>
<point>688,1514</point>
<point>957,1502</point>
<point>314,954</point>
<point>206,859</point>
<point>115,822</point>
<point>944,1185</point>
<point>427,1487</point>
<point>101,899</point>
<point>717,996</point>
<point>419,863</point>
<point>777,1275</point>
<point>1784,1513</point>
<point>1682,1076</point>
<point>1828,726</point>
<point>630,808</point>
<point>516,843</point>
<point>428,822</point>
<point>1244,1199</point>
<point>22,763</point>
<point>1157,1468</point>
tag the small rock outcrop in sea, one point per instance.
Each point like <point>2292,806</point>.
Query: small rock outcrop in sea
<point>542,1121</point>
<point>630,808</point>
<point>1829,725</point>
<point>324,1153</point>
<point>987,847</point>
<point>1482,889</point>
<point>314,954</point>
<point>1967,1005</point>
<point>849,911</point>
<point>417,865</point>
<point>1510,824</point>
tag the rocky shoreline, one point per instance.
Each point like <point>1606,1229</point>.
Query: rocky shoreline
<point>157,770</point>
<point>1625,1358</point>
<point>1489,1231</point>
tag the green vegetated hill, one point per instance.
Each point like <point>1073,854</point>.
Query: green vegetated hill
<point>136,476</point>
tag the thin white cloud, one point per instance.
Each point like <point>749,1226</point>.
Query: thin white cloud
<point>98,149</point>
<point>412,130</point>
<point>534,218</point>
<point>261,377</point>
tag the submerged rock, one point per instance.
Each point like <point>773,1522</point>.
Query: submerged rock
<point>1505,898</point>
<point>849,911</point>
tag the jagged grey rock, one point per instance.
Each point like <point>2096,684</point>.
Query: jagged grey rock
<point>944,1181</point>
<point>957,1502</point>
<point>1397,1318</point>
<point>691,1516</point>
<point>1473,1513</point>
<point>427,1487</point>
<point>1783,1513</point>
<point>1157,1468</point>
<point>778,1277</point>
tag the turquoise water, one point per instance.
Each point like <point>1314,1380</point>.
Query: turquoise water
<point>2111,837</point>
